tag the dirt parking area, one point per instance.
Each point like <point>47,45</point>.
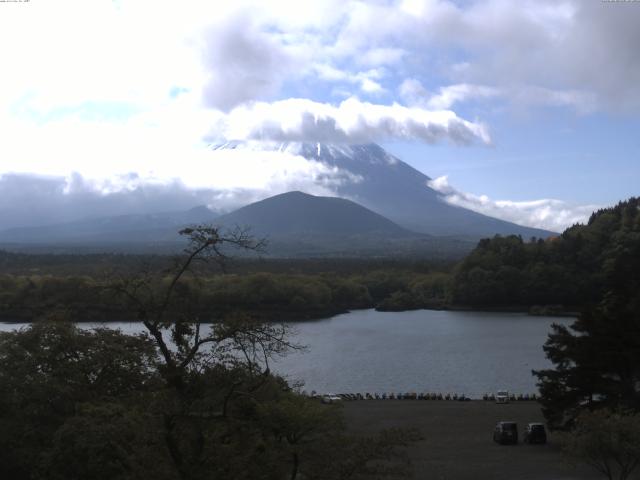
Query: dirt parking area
<point>458,441</point>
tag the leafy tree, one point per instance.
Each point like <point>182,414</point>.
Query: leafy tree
<point>48,371</point>
<point>597,359</point>
<point>607,441</point>
<point>597,364</point>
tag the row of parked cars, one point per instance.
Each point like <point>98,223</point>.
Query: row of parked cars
<point>392,396</point>
<point>506,433</point>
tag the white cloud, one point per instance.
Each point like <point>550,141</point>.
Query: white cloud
<point>352,121</point>
<point>452,94</point>
<point>243,63</point>
<point>570,46</point>
<point>382,56</point>
<point>367,80</point>
<point>549,214</point>
<point>63,54</point>
<point>582,53</point>
<point>227,180</point>
<point>414,93</point>
<point>582,101</point>
<point>573,53</point>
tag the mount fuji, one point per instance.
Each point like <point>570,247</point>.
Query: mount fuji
<point>372,204</point>
<point>375,179</point>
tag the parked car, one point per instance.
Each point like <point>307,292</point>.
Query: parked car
<point>506,433</point>
<point>502,396</point>
<point>330,398</point>
<point>535,433</point>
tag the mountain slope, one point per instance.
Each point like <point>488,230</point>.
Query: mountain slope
<point>297,213</point>
<point>297,224</point>
<point>394,189</point>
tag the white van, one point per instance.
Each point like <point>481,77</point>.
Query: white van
<point>502,396</point>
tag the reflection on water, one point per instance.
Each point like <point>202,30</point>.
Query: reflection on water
<point>421,351</point>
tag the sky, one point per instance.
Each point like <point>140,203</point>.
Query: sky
<point>527,111</point>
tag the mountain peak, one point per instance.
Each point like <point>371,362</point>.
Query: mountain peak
<point>388,186</point>
<point>301,213</point>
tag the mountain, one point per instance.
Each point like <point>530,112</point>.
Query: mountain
<point>122,229</point>
<point>380,206</point>
<point>383,183</point>
<point>297,213</point>
<point>297,224</point>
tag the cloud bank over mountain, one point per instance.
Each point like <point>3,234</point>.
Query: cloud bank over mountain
<point>549,214</point>
<point>239,173</point>
<point>351,122</point>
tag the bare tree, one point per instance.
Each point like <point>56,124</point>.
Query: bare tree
<point>163,303</point>
<point>178,333</point>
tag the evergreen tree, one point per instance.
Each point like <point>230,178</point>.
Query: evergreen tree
<point>597,359</point>
<point>597,364</point>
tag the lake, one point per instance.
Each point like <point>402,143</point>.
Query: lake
<point>416,351</point>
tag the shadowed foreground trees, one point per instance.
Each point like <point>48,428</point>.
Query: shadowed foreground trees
<point>597,363</point>
<point>597,359</point>
<point>185,401</point>
<point>608,441</point>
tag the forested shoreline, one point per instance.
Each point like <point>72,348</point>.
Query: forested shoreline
<point>265,296</point>
<point>556,276</point>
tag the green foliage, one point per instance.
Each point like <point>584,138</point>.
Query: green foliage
<point>597,359</point>
<point>572,270</point>
<point>48,371</point>
<point>78,404</point>
<point>597,363</point>
<point>266,296</point>
<point>608,441</point>
<point>106,441</point>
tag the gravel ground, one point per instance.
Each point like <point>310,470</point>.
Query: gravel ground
<point>458,441</point>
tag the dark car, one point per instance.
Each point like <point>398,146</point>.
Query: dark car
<point>535,433</point>
<point>506,433</point>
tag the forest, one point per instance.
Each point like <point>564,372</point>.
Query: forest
<point>569,271</point>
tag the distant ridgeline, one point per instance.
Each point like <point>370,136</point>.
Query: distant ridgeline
<point>552,276</point>
<point>569,271</point>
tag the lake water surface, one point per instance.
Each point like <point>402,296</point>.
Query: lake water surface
<point>417,351</point>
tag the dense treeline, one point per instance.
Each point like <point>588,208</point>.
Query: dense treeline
<point>266,296</point>
<point>99,264</point>
<point>568,271</point>
<point>592,389</point>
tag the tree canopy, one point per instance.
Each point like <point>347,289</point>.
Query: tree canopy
<point>597,360</point>
<point>180,402</point>
<point>573,270</point>
<point>608,441</point>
